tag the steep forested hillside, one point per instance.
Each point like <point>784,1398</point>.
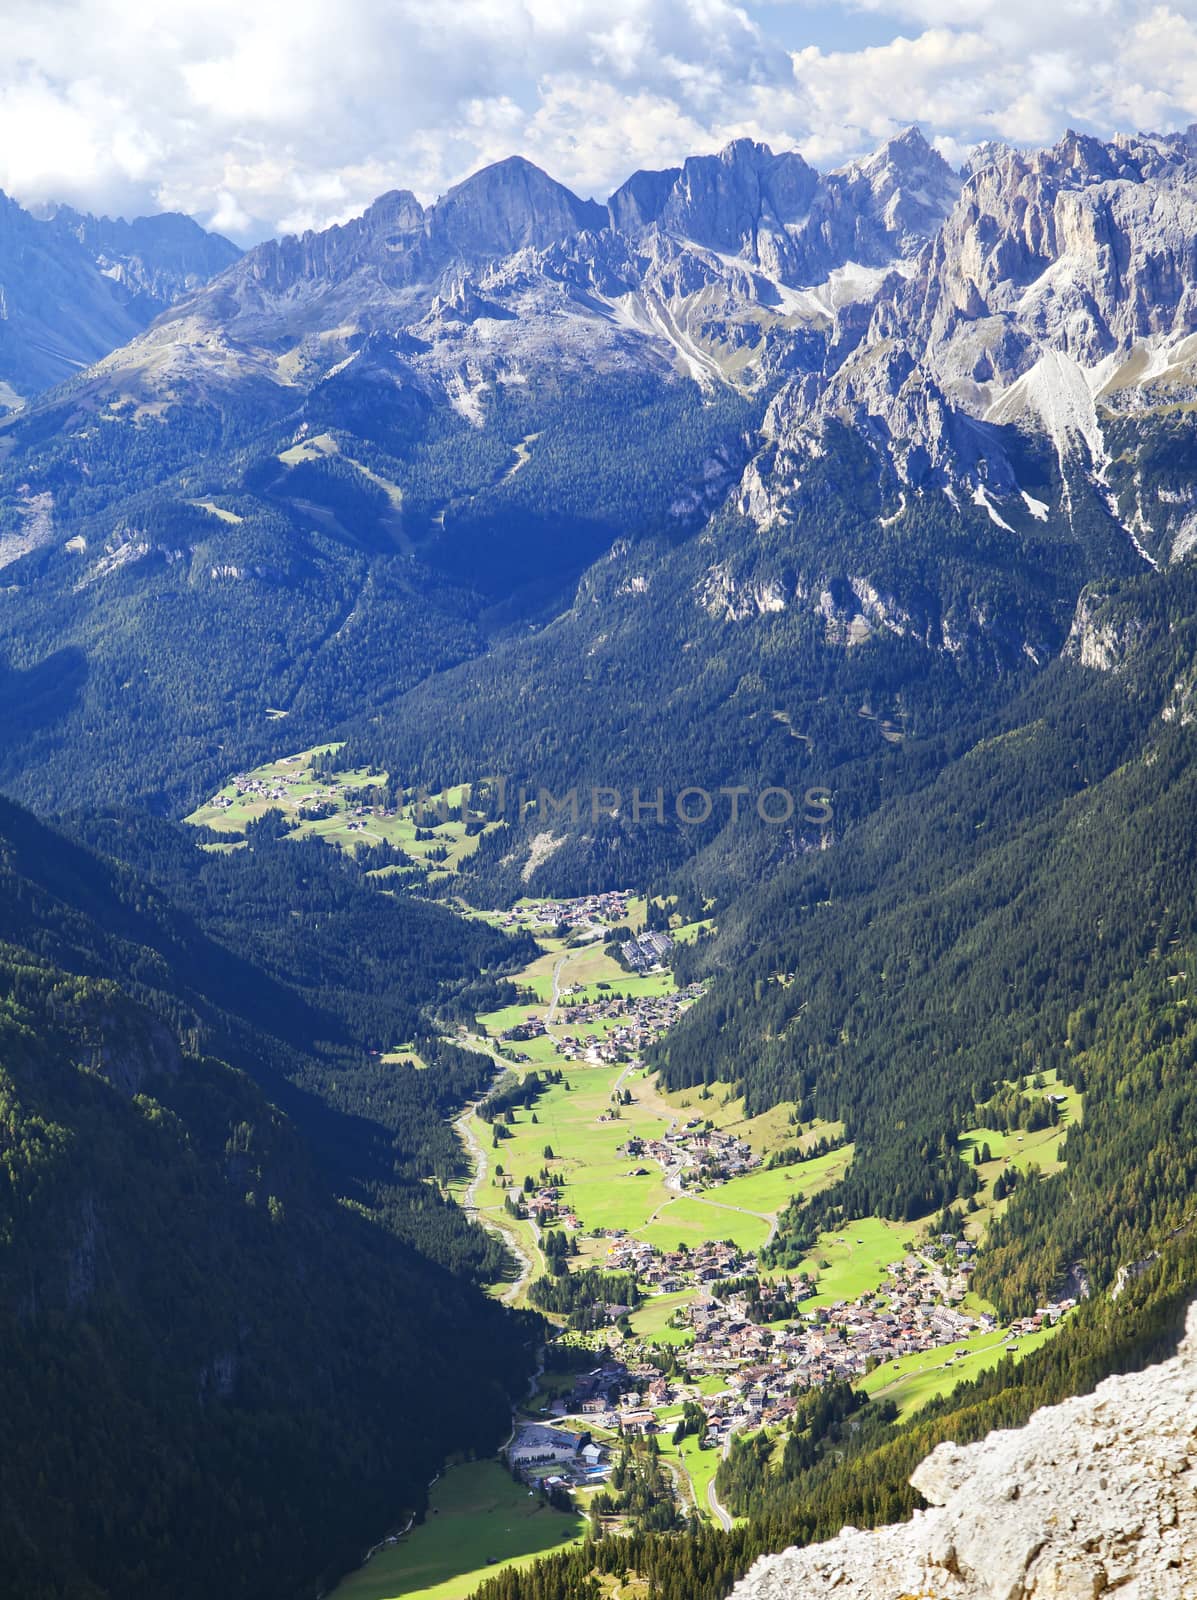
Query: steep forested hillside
<point>1029,908</point>
<point>294,964</point>
<point>220,1377</point>
<point>190,589</point>
<point>217,1378</point>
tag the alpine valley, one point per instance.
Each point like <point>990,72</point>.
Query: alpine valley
<point>598,864</point>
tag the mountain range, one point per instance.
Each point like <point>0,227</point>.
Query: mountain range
<point>897,401</point>
<point>688,270</point>
<point>940,312</point>
<point>74,286</point>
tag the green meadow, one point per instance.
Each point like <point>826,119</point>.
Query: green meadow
<point>770,1191</point>
<point>852,1261</point>
<point>600,1183</point>
<point>1019,1150</point>
<point>579,1121</point>
<point>586,1150</point>
<point>586,1132</point>
<point>478,1519</point>
<point>913,1380</point>
<point>698,1464</point>
<point>692,1221</point>
<point>292,785</point>
<point>651,1320</point>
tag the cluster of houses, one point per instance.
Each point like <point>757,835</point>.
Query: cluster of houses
<point>280,789</point>
<point>667,1271</point>
<point>249,786</point>
<point>638,1022</point>
<point>587,914</point>
<point>845,1340</point>
<point>697,1156</point>
<point>620,1398</point>
<point>763,1361</point>
<point>764,1365</point>
<point>530,1028</point>
<point>548,1208</point>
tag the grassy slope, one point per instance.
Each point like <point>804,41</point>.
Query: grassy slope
<point>303,788</point>
<point>914,1379</point>
<point>1018,1150</point>
<point>852,1261</point>
<point>478,1518</point>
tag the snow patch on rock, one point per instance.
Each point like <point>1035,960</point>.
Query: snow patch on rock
<point>1037,508</point>
<point>980,498</point>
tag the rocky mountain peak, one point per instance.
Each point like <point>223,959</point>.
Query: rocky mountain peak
<point>383,238</point>
<point>1080,156</point>
<point>943,313</point>
<point>509,206</point>
<point>742,201</point>
<point>907,150</point>
<point>397,208</point>
<point>397,245</point>
<point>639,202</point>
<point>745,152</point>
<point>720,200</point>
<point>905,186</point>
<point>987,154</point>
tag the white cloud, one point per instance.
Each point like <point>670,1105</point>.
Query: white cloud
<point>1008,69</point>
<point>289,113</point>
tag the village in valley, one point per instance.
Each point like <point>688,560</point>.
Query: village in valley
<point>641,1220</point>
<point>751,1350</point>
<point>659,1208</point>
<point>608,1028</point>
<point>424,838</point>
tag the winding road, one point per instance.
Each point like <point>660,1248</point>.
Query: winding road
<point>718,1509</point>
<point>549,1014</point>
<point>720,1514</point>
<point>674,1184</point>
<point>469,1204</point>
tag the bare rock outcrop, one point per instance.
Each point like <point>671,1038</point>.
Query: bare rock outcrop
<point>1093,1497</point>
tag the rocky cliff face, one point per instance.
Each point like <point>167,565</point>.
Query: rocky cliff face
<point>155,260</point>
<point>1058,297</point>
<point>1104,635</point>
<point>1092,1497</point>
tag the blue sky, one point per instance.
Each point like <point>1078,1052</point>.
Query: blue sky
<point>277,115</point>
<point>827,26</point>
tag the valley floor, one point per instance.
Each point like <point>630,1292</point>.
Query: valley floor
<point>674,1191</point>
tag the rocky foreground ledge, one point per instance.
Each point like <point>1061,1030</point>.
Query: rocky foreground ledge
<point>1096,1495</point>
